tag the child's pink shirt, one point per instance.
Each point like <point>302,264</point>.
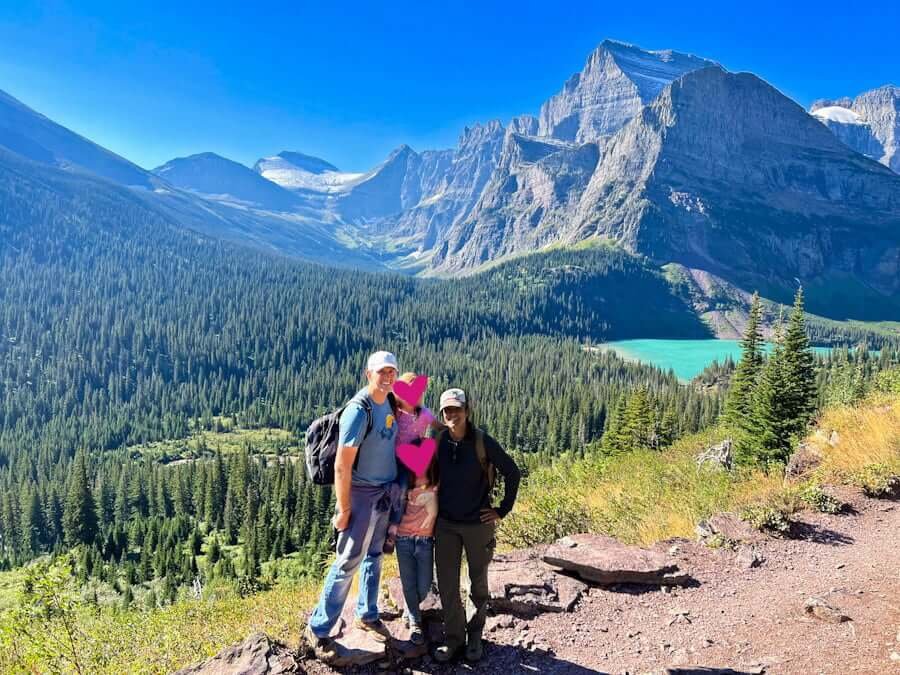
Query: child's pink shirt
<point>412,427</point>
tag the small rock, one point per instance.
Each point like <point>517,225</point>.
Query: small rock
<point>674,549</point>
<point>749,557</point>
<point>719,456</point>
<point>822,610</point>
<point>256,654</point>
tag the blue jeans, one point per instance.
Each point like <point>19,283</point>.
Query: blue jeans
<point>359,545</point>
<point>415,557</point>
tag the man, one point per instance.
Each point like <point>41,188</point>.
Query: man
<point>467,459</point>
<point>365,467</point>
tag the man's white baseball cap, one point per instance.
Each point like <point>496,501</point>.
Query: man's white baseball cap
<point>380,360</point>
<point>453,398</point>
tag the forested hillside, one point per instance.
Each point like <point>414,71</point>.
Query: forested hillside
<point>120,329</point>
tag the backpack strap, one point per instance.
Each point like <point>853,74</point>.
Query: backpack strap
<point>486,466</point>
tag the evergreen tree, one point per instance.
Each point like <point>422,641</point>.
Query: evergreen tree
<point>799,374</point>
<point>79,513</point>
<point>738,404</point>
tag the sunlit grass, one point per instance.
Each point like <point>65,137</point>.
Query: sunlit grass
<point>643,497</point>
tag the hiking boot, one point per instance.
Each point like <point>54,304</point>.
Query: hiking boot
<point>474,648</point>
<point>377,628</point>
<point>324,648</point>
<point>416,636</point>
<point>445,653</point>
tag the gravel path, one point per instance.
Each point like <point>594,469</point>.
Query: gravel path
<point>745,620</point>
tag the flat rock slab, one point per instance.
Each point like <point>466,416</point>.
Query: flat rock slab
<point>357,648</point>
<point>521,583</point>
<point>604,560</point>
<point>257,655</point>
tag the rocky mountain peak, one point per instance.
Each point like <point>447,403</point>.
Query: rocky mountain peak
<point>480,133</point>
<point>870,123</point>
<point>616,81</point>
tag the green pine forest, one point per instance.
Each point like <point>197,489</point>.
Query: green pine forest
<point>120,331</point>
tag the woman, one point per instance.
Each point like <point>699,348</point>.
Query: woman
<point>467,462</point>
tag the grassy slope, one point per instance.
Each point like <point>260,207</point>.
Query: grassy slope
<point>642,497</point>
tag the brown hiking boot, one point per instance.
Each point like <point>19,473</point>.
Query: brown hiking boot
<point>324,648</point>
<point>377,628</point>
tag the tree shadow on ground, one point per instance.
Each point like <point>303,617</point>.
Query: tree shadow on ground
<point>819,534</point>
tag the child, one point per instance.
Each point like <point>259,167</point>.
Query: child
<point>414,529</point>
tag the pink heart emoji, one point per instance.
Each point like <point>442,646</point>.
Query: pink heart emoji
<point>417,457</point>
<point>411,393</point>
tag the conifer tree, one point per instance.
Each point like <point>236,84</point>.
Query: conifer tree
<point>799,376</point>
<point>740,394</point>
<point>79,513</point>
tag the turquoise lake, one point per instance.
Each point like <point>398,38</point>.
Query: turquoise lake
<point>686,357</point>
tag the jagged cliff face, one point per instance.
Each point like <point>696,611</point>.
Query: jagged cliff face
<point>724,173</point>
<point>721,172</point>
<point>527,202</point>
<point>616,82</point>
<point>870,124</point>
<point>452,195</point>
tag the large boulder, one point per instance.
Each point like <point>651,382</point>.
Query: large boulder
<point>520,583</point>
<point>257,655</point>
<point>604,560</point>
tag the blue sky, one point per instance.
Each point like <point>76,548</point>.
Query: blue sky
<point>350,81</point>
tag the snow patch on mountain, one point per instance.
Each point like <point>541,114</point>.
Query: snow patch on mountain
<point>295,171</point>
<point>837,114</point>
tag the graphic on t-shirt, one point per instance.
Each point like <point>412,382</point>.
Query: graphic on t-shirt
<point>388,432</point>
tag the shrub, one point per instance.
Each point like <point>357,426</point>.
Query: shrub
<point>766,518</point>
<point>548,515</point>
<point>887,381</point>
<point>774,515</point>
<point>817,498</point>
<point>877,480</point>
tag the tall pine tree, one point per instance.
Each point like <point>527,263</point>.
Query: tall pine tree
<point>739,402</point>
<point>79,513</point>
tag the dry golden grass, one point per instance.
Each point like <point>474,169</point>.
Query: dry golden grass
<point>866,434</point>
<point>644,497</point>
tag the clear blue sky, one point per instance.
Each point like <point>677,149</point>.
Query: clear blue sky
<point>350,81</point>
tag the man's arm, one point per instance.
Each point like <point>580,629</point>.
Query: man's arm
<point>350,436</point>
<point>343,473</point>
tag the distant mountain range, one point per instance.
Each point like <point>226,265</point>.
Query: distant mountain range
<point>715,176</point>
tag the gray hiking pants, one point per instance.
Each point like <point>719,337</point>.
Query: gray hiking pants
<point>478,541</point>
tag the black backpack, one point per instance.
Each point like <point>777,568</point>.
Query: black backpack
<point>322,442</point>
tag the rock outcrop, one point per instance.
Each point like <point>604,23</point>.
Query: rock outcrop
<point>604,560</point>
<point>257,655</point>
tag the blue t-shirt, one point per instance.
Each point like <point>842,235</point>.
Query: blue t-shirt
<point>377,463</point>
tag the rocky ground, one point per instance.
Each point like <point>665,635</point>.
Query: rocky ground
<point>826,601</point>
